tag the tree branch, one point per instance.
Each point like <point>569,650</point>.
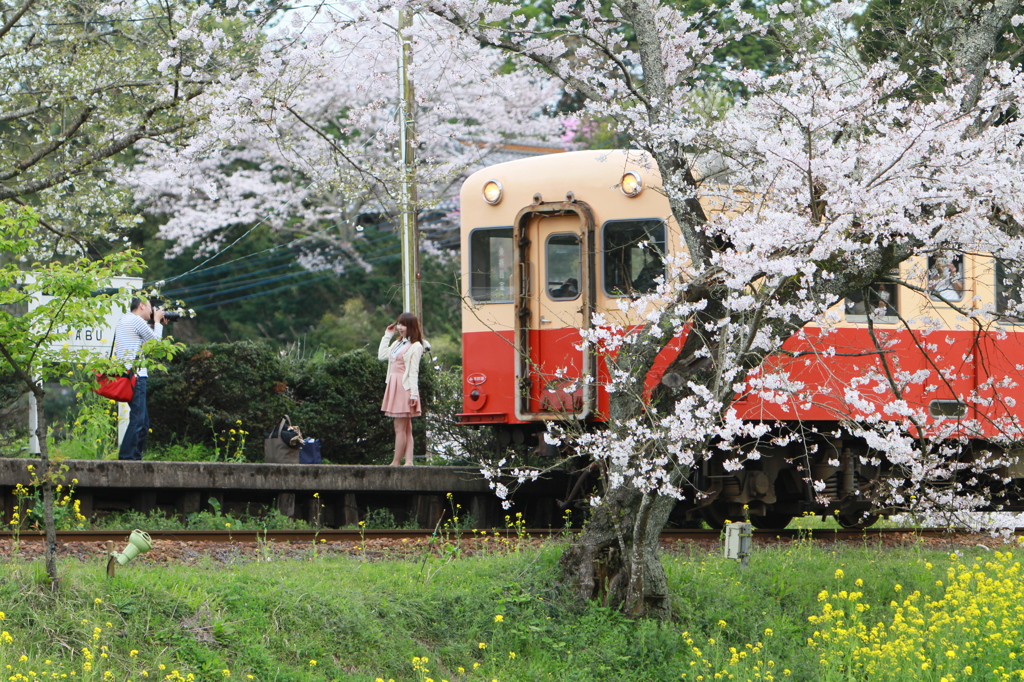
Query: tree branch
<point>16,18</point>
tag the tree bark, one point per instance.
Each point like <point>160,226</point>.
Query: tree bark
<point>974,41</point>
<point>616,558</point>
<point>46,485</point>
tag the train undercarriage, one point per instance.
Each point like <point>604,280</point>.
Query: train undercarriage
<point>839,478</point>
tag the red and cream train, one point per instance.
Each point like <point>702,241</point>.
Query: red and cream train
<point>547,241</point>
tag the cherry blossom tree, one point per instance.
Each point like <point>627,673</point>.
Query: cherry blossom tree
<point>84,82</point>
<point>320,145</point>
<point>824,179</point>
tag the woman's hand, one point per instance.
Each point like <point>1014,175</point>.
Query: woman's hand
<point>390,329</point>
<point>414,404</point>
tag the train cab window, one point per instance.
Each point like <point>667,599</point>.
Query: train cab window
<point>490,265</point>
<point>564,260</point>
<point>634,255</point>
<point>882,302</point>
<point>946,277</point>
<point>1009,291</point>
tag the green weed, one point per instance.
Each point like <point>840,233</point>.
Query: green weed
<point>505,618</point>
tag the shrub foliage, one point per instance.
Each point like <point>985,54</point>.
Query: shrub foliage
<point>210,388</point>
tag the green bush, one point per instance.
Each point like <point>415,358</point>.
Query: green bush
<point>208,389</point>
<point>338,400</point>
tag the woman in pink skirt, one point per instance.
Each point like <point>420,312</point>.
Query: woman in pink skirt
<point>402,396</point>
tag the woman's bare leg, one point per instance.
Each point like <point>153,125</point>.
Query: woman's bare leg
<point>400,438</point>
<point>408,441</point>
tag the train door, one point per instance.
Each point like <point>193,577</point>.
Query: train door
<point>554,281</point>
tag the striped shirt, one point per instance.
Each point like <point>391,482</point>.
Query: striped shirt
<point>129,334</point>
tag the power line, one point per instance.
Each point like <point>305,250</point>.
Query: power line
<point>195,288</point>
<point>262,293</point>
<point>249,285</point>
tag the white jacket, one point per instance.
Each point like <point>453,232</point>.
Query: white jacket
<point>411,377</point>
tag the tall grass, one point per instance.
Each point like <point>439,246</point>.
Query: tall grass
<point>503,616</point>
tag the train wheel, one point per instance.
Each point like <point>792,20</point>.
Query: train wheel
<point>856,520</point>
<point>771,520</point>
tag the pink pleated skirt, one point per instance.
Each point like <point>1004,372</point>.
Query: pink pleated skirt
<point>396,398</point>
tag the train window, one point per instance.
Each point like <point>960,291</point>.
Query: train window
<point>946,277</point>
<point>1009,291</point>
<point>882,301</point>
<point>564,260</point>
<point>634,255</point>
<point>490,265</point>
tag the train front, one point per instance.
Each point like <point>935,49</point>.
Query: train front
<point>546,242</point>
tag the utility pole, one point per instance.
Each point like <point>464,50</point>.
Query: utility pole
<point>412,294</point>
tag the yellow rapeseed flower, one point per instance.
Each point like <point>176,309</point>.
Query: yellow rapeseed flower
<point>499,618</point>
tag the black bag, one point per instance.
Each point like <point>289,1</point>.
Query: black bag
<point>281,446</point>
<point>309,451</point>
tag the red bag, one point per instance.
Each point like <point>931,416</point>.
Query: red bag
<point>119,388</point>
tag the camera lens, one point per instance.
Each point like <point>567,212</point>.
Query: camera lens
<point>171,316</point>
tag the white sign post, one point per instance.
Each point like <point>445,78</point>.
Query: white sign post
<point>99,340</point>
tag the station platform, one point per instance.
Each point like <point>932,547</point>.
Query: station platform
<point>325,495</point>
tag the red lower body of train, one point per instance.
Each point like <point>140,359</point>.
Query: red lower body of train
<point>963,381</point>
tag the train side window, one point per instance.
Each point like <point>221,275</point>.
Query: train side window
<point>1009,291</point>
<point>490,265</point>
<point>634,255</point>
<point>564,261</point>
<point>882,301</point>
<point>946,277</point>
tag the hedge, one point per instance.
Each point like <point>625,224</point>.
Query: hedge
<point>209,388</point>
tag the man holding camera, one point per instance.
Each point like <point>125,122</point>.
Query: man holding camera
<point>132,330</point>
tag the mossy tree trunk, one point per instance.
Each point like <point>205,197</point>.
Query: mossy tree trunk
<point>45,482</point>
<point>42,478</point>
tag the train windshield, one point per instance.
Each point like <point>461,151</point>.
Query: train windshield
<point>490,265</point>
<point>633,256</point>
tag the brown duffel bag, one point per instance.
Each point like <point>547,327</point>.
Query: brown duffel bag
<point>281,446</point>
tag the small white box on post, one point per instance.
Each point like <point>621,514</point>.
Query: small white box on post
<point>738,538</point>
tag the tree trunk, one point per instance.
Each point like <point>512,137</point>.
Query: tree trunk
<point>46,484</point>
<point>616,558</point>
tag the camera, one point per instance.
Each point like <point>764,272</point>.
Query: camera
<point>172,310</point>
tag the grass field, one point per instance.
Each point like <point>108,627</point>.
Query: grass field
<point>799,612</point>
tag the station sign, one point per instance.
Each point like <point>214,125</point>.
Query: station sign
<point>99,338</point>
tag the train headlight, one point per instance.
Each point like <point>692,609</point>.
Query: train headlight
<point>492,192</point>
<point>631,184</point>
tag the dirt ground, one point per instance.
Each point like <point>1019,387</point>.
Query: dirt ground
<point>168,551</point>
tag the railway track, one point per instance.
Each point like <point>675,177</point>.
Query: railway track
<point>348,535</point>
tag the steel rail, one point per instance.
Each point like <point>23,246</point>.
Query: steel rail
<point>227,536</point>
